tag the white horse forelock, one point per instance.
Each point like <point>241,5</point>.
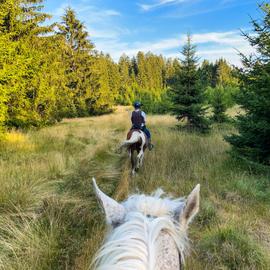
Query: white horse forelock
<point>133,244</point>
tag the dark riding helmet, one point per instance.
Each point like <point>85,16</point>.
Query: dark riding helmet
<point>137,104</point>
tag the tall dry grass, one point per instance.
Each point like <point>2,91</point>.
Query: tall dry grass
<point>47,207</point>
<point>230,231</point>
<point>49,217</point>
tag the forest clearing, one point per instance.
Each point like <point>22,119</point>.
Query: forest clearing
<point>51,219</point>
<point>70,72</point>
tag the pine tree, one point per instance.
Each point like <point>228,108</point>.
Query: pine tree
<point>23,18</point>
<point>126,95</point>
<point>253,140</point>
<point>225,74</point>
<point>142,75</point>
<point>30,94</point>
<point>207,74</point>
<point>218,101</point>
<point>79,58</point>
<point>186,93</point>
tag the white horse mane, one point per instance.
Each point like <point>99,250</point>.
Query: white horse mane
<point>133,244</point>
<point>154,205</point>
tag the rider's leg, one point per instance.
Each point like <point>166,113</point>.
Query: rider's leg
<point>148,134</point>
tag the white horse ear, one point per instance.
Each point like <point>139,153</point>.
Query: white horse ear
<point>191,207</point>
<point>115,212</point>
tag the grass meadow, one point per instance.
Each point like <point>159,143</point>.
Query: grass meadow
<point>49,217</point>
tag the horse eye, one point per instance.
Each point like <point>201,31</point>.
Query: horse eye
<point>150,216</point>
<point>116,224</point>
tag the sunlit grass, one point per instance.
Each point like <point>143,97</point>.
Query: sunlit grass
<point>46,197</point>
<point>17,141</point>
<point>50,219</point>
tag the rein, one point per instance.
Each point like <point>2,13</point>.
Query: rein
<point>182,266</point>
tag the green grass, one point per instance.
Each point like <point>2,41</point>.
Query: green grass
<point>230,248</point>
<point>208,215</point>
<point>50,219</point>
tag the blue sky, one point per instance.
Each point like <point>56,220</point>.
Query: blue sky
<point>160,26</point>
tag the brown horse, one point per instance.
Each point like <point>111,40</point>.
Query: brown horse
<point>136,143</point>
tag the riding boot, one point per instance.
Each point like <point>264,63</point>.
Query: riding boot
<point>150,145</point>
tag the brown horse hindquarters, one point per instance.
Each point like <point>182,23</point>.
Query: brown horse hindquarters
<point>137,146</point>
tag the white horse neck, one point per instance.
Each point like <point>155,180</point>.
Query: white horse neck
<point>143,243</point>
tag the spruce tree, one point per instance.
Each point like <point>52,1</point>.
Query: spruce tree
<point>253,140</point>
<point>23,18</point>
<point>186,92</point>
<point>206,73</point>
<point>142,75</point>
<point>27,75</point>
<point>225,74</point>
<point>217,99</point>
<point>79,59</point>
<point>125,92</point>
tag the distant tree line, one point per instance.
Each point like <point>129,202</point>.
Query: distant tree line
<point>48,72</point>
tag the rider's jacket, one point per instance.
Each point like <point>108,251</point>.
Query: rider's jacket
<point>138,119</point>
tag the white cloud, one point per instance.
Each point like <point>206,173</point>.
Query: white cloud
<point>60,10</point>
<point>92,13</point>
<point>109,36</point>
<point>99,22</point>
<point>147,7</point>
<point>113,33</point>
<point>211,46</point>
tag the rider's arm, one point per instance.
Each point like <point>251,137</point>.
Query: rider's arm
<point>144,117</point>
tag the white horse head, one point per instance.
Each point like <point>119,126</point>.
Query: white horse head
<point>147,232</point>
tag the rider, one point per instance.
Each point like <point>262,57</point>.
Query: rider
<point>138,119</point>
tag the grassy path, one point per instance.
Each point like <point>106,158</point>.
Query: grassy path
<point>49,217</point>
<point>47,207</point>
<point>231,231</point>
